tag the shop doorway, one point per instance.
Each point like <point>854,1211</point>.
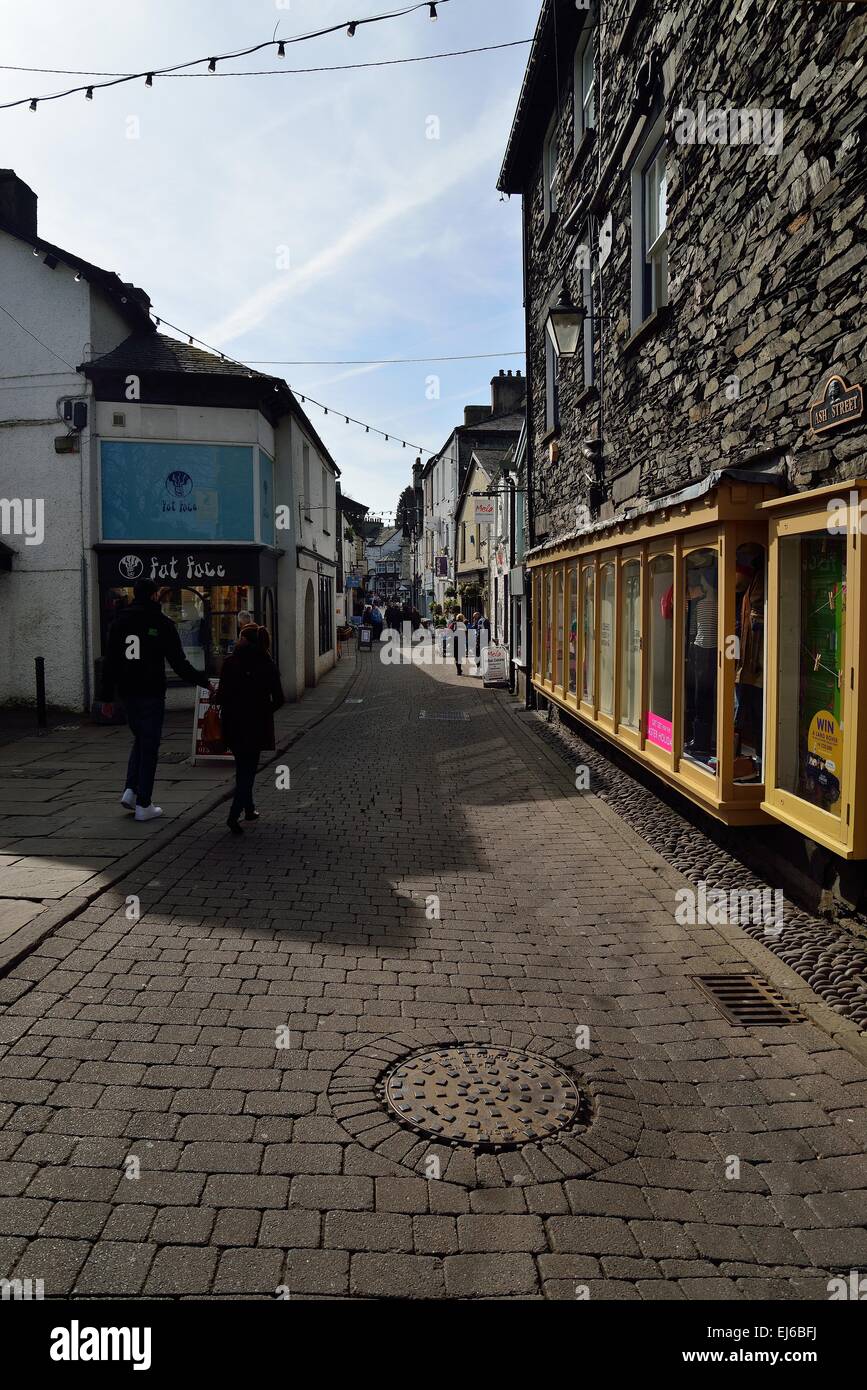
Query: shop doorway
<point>309,636</point>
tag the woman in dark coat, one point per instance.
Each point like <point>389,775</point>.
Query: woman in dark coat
<point>248,694</point>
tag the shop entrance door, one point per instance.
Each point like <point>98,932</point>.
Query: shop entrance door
<point>309,636</point>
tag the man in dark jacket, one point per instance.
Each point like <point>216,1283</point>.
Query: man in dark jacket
<point>140,642</point>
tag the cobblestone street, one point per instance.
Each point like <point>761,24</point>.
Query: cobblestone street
<point>157,1142</point>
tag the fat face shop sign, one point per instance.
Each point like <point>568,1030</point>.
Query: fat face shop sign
<point>132,567</point>
<point>838,405</point>
<point>179,567</point>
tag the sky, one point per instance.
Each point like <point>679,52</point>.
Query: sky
<point>304,217</point>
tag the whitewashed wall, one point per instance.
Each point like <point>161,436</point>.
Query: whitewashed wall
<point>44,598</point>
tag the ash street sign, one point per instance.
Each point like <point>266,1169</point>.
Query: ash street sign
<point>838,405</point>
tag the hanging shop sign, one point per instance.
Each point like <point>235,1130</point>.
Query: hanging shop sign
<point>441,566</point>
<point>839,404</point>
<point>484,511</point>
<point>209,745</point>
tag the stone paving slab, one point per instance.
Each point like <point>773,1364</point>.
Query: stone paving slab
<point>189,1100</point>
<point>57,846</point>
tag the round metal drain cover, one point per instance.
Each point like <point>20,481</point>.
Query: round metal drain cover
<point>481,1095</point>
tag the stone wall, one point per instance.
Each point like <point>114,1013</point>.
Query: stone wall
<point>766,251</point>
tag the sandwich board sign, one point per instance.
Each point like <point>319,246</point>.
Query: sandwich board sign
<point>209,746</point>
<point>495,664</point>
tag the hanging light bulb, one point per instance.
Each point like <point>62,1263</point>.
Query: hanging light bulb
<point>33,104</point>
<point>191,342</point>
<point>212,65</point>
<point>89,94</point>
<point>352,28</point>
<point>281,49</point>
<point>433,11</point>
<point>149,80</point>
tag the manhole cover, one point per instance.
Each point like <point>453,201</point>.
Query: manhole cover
<point>443,714</point>
<point>746,1000</point>
<point>483,1096</point>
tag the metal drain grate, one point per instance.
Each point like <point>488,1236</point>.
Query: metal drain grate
<point>747,1001</point>
<point>487,1097</point>
<point>450,714</point>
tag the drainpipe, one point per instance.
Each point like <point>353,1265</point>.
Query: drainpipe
<point>530,694</point>
<point>512,677</point>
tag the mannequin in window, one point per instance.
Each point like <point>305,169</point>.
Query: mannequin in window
<point>702,594</point>
<point>749,676</point>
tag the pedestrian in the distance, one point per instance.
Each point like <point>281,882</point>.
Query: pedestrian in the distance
<point>248,694</point>
<point>480,625</point>
<point>459,628</point>
<point>140,642</point>
<point>376,621</point>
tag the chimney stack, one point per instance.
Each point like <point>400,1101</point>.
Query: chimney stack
<point>17,205</point>
<point>508,391</point>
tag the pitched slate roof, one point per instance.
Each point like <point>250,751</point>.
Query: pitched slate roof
<point>156,352</point>
<point>187,372</point>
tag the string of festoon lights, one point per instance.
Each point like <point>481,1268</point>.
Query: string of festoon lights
<point>303,396</point>
<point>349,26</point>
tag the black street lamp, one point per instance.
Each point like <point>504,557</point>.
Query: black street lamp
<point>564,325</point>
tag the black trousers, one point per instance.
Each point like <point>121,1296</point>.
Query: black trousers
<point>145,714</point>
<point>246,767</point>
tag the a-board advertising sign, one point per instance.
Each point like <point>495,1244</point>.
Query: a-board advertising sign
<point>209,746</point>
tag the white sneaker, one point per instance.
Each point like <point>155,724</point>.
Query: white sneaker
<point>128,799</point>
<point>148,812</point>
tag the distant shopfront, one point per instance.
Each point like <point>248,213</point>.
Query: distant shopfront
<point>198,519</point>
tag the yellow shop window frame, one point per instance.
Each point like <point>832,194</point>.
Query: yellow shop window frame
<point>816,719</point>
<point>712,523</point>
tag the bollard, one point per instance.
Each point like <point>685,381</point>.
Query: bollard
<point>41,711</point>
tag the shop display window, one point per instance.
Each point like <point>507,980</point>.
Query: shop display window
<point>588,632</point>
<point>208,619</point>
<point>549,625</point>
<point>750,588</point>
<point>558,627</point>
<point>810,683</point>
<point>606,639</point>
<point>573,629</point>
<point>659,729</point>
<point>700,657</point>
<point>630,644</point>
<point>718,639</point>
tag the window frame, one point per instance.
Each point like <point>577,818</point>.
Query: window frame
<point>647,296</point>
<point>550,156</point>
<point>552,387</point>
<point>845,834</point>
<point>580,123</point>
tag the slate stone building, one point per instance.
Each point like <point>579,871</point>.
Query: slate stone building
<point>693,187</point>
